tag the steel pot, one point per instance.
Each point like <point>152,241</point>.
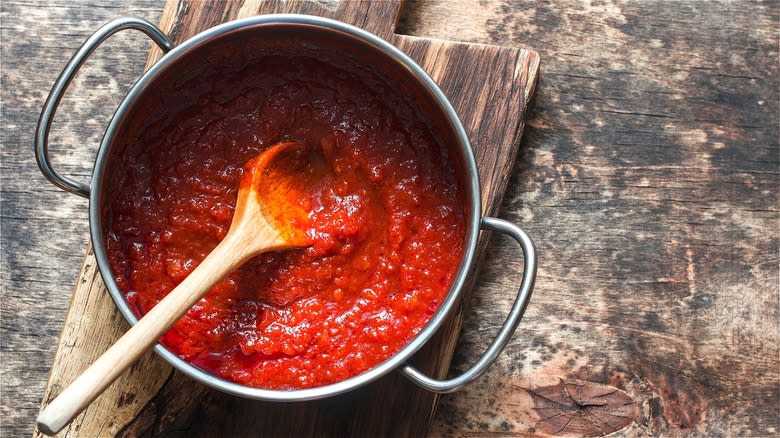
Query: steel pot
<point>333,35</point>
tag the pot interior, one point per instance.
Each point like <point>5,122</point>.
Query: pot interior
<point>205,73</point>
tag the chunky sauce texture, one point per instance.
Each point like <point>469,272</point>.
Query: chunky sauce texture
<point>388,220</point>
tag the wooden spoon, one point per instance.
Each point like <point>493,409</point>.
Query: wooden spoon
<point>270,215</point>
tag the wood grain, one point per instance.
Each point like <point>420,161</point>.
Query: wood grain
<point>651,170</point>
<point>42,232</point>
<point>648,178</point>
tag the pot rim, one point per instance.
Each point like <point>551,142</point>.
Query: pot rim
<point>470,183</point>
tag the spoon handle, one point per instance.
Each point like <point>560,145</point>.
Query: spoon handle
<point>250,233</point>
<point>228,255</point>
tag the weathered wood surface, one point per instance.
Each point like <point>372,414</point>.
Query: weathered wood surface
<point>649,179</point>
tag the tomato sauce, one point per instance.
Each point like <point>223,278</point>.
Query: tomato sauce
<point>388,220</point>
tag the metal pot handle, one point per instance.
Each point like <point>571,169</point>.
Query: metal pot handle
<point>57,91</point>
<point>509,326</point>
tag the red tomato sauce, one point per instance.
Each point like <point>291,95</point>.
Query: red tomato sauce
<point>388,220</point>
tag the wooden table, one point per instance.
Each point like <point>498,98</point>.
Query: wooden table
<point>648,176</point>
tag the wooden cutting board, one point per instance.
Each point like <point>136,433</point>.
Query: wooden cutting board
<point>489,86</point>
